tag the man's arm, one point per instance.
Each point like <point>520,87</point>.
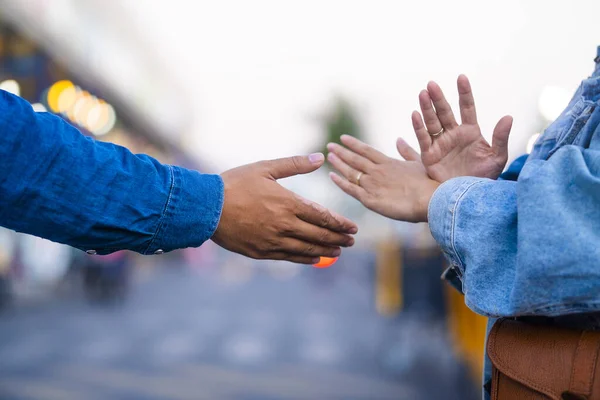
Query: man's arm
<point>529,246</point>
<point>58,184</point>
<point>61,185</point>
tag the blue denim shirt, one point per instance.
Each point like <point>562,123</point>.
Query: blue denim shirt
<point>61,185</point>
<point>531,245</point>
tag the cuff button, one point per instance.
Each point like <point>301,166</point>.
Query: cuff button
<point>159,251</point>
<point>91,252</point>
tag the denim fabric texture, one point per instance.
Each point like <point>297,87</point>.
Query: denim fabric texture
<point>61,185</point>
<point>529,246</point>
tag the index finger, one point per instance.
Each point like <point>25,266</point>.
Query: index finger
<point>422,135</point>
<point>363,149</point>
<point>317,215</point>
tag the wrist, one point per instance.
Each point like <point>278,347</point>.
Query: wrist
<point>422,203</point>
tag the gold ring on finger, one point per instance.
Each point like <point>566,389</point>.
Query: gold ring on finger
<point>437,133</point>
<point>360,174</point>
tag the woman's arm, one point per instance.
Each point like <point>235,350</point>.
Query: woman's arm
<point>530,246</point>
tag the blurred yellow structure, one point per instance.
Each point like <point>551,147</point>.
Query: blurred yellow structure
<point>388,278</point>
<point>467,330</point>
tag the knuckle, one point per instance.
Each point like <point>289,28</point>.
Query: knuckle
<point>377,173</point>
<point>296,163</point>
<point>254,254</point>
<point>293,204</point>
<point>309,249</point>
<point>272,244</point>
<point>257,251</point>
<point>369,202</point>
<point>285,228</point>
<point>325,218</point>
<point>265,166</point>
<point>325,236</point>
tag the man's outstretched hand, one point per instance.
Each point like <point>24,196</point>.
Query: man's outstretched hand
<point>263,220</point>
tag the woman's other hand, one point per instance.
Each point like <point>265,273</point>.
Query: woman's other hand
<point>393,188</point>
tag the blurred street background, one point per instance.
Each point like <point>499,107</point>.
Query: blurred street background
<point>214,84</point>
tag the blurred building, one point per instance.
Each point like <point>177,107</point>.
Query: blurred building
<point>54,82</point>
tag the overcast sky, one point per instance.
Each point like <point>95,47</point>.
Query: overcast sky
<point>259,72</point>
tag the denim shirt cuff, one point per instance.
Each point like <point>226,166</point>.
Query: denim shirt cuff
<point>192,211</point>
<point>442,215</point>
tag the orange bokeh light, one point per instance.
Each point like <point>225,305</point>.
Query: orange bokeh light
<point>325,262</point>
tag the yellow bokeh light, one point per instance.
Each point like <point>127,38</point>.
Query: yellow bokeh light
<point>55,92</point>
<point>82,108</point>
<point>66,99</point>
<point>109,123</point>
<point>97,117</point>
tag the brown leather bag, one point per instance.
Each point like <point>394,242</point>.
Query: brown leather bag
<point>534,362</point>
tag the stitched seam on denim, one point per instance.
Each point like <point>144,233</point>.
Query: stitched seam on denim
<point>429,205</point>
<point>574,112</point>
<point>574,130</point>
<point>452,244</point>
<point>218,213</point>
<point>162,217</point>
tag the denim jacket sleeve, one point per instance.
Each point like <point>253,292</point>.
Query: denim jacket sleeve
<point>61,185</point>
<point>526,247</point>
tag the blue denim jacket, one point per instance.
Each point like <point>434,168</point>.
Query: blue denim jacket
<point>61,185</point>
<point>531,245</point>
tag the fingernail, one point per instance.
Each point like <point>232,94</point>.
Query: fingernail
<point>316,158</point>
<point>353,231</point>
<point>331,156</point>
<point>315,260</point>
<point>336,252</point>
<point>350,242</point>
<point>330,146</point>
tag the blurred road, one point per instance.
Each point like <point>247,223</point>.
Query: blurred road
<point>236,332</point>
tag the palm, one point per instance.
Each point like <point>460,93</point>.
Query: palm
<point>460,150</point>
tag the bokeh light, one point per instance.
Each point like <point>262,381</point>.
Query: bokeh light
<point>552,101</point>
<point>531,142</point>
<point>11,86</point>
<point>81,107</point>
<point>54,94</point>
<point>325,262</point>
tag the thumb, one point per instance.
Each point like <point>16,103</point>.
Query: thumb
<point>406,151</point>
<point>500,136</point>
<point>290,166</point>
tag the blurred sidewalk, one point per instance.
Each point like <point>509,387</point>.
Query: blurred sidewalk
<point>236,331</point>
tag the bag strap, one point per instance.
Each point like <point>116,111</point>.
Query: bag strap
<point>584,365</point>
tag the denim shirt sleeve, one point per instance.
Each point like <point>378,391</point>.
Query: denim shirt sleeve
<point>61,185</point>
<point>525,247</point>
